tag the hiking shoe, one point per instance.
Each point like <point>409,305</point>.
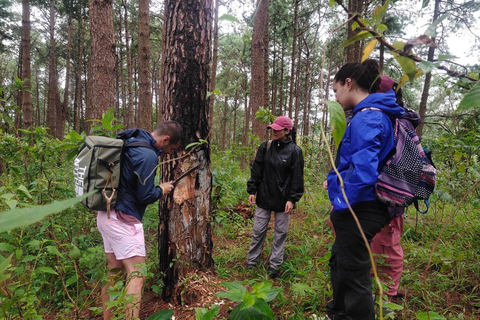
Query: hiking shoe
<point>272,273</point>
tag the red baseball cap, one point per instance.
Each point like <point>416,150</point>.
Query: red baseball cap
<point>386,84</point>
<point>282,122</point>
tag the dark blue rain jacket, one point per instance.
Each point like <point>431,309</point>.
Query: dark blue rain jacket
<point>137,181</point>
<point>365,146</point>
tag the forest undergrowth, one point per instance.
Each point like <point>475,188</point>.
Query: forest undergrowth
<point>54,269</point>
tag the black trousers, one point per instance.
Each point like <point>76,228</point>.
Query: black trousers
<point>350,266</point>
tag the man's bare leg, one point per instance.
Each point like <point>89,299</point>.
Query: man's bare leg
<point>115,265</point>
<point>134,285</point>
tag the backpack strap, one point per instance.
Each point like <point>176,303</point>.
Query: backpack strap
<point>427,205</point>
<point>135,144</point>
<point>269,144</point>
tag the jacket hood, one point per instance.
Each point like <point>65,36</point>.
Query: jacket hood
<point>138,134</point>
<point>383,101</point>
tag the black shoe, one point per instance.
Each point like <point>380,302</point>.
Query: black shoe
<point>272,273</point>
<point>251,266</point>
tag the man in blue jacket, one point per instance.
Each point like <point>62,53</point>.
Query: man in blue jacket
<point>122,233</point>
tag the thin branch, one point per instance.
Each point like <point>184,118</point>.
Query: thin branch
<point>403,53</point>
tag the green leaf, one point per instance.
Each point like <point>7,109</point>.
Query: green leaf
<point>360,36</point>
<point>7,196</point>
<point>71,280</point>
<point>265,290</point>
<point>21,217</point>
<point>332,3</point>
<point>34,244</point>
<point>25,191</point>
<point>236,291</point>
<point>7,247</point>
<point>408,66</point>
<point>228,17</point>
<point>427,66</point>
<point>205,314</point>
<point>3,268</point>
<point>12,204</point>
<point>432,29</point>
<point>53,250</point>
<point>381,27</point>
<point>74,252</point>
<point>471,99</point>
<point>46,270</point>
<point>337,120</point>
<point>443,57</point>
<point>429,316</point>
<point>379,12</point>
<point>162,315</point>
<point>355,25</point>
<point>107,119</point>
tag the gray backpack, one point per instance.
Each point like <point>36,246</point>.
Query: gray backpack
<point>97,167</point>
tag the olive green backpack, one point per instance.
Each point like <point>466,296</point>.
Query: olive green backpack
<point>97,167</point>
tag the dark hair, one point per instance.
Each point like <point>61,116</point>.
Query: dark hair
<point>170,128</point>
<point>366,75</point>
<point>293,134</point>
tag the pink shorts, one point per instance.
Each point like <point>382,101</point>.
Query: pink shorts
<point>122,239</point>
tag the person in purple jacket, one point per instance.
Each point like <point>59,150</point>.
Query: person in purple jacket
<point>363,150</point>
<point>122,232</point>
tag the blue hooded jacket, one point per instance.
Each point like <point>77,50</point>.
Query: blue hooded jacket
<point>365,145</point>
<point>137,181</point>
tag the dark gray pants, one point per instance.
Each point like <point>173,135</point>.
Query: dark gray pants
<point>350,265</point>
<point>260,225</point>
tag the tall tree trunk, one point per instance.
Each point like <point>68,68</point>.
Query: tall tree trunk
<point>297,86</point>
<point>185,238</point>
<point>306,106</point>
<point>52,77</point>
<point>102,56</point>
<point>213,81</point>
<point>280,86</point>
<point>428,77</point>
<point>145,93</point>
<point>294,51</point>
<point>257,85</point>
<point>266,40</point>
<point>235,118</point>
<point>246,122</point>
<point>78,90</point>
<point>66,94</point>
<point>18,98</point>
<point>223,125</point>
<point>27,110</point>
<point>353,52</point>
<point>38,120</point>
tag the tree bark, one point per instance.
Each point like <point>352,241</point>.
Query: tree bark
<point>353,52</point>
<point>213,82</point>
<point>130,117</point>
<point>102,56</point>
<point>280,86</point>
<point>428,77</point>
<point>292,68</point>
<point>27,109</point>
<point>257,85</point>
<point>63,107</point>
<point>145,93</point>
<point>52,77</point>
<point>78,90</point>
<point>185,239</point>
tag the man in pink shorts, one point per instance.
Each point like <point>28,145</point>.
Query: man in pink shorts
<point>122,232</point>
